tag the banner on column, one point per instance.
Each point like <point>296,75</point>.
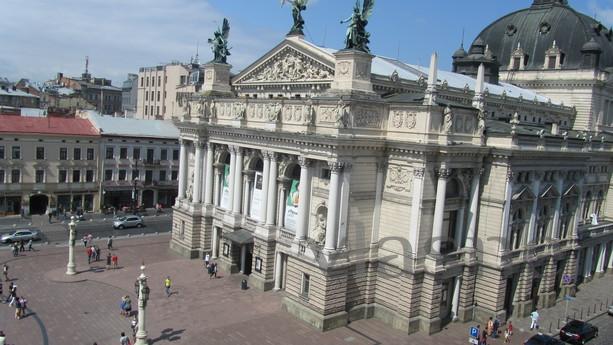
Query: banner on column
<point>291,206</point>
<point>256,196</point>
<point>225,188</point>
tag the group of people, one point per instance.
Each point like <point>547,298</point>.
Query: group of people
<point>126,306</point>
<point>211,266</point>
<point>20,246</point>
<point>492,330</point>
<point>20,302</point>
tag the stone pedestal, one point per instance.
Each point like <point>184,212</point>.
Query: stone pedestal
<point>547,299</point>
<point>569,290</point>
<point>524,308</point>
<point>352,72</point>
<point>217,79</point>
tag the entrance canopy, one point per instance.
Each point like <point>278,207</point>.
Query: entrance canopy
<point>239,236</point>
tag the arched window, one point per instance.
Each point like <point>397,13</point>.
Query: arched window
<point>587,204</point>
<point>518,224</point>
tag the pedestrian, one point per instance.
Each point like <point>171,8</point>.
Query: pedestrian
<point>206,259</point>
<point>24,306</point>
<point>124,340</point>
<point>90,238</point>
<point>496,326</point>
<point>17,309</point>
<point>134,325</point>
<point>15,249</point>
<point>30,245</point>
<point>510,328</point>
<point>10,293</point>
<point>137,287</point>
<point>109,242</point>
<point>50,215</point>
<point>88,251</point>
<point>167,285</point>
<point>507,336</point>
<point>215,269</point>
<point>5,272</point>
<point>210,270</point>
<point>108,260</point>
<point>84,240</point>
<point>13,296</point>
<point>97,251</point>
<point>128,306</point>
<point>122,306</point>
<point>534,320</point>
<point>483,339</point>
<point>22,246</point>
<point>490,326</point>
<point>114,260</point>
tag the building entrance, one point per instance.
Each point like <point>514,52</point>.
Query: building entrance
<point>38,204</point>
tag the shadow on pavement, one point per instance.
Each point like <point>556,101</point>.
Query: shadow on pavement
<point>168,334</point>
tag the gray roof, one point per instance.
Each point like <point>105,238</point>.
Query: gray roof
<point>119,126</point>
<point>537,27</point>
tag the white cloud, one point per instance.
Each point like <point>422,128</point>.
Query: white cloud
<point>40,37</point>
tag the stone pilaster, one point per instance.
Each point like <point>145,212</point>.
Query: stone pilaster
<point>570,269</point>
<point>523,306</point>
<point>547,293</point>
<point>490,290</point>
<point>467,293</point>
<point>263,278</point>
<point>430,304</point>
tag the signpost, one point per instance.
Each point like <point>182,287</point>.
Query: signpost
<point>567,298</point>
<point>566,279</point>
<point>474,334</point>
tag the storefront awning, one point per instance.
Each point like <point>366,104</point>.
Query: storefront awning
<point>239,236</point>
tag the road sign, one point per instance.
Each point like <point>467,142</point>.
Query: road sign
<point>473,341</point>
<point>567,279</point>
<point>474,332</point>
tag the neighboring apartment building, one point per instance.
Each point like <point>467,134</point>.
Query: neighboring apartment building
<point>362,186</point>
<point>137,156</point>
<point>98,92</point>
<point>47,162</point>
<point>129,95</point>
<point>160,89</point>
<point>12,98</point>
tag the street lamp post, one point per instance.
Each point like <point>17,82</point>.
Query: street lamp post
<point>71,266</point>
<point>143,297</point>
<point>134,196</point>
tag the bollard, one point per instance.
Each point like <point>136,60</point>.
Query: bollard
<point>600,306</point>
<point>558,323</point>
<point>575,315</point>
<point>550,328</point>
<point>581,313</point>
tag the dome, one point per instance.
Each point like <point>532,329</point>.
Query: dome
<point>536,28</point>
<point>460,53</point>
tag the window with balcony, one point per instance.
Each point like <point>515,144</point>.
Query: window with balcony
<point>90,154</point>
<point>76,176</point>
<point>76,154</point>
<point>40,152</point>
<point>164,154</point>
<point>108,175</point>
<point>123,153</point>
<point>136,153</point>
<point>109,153</point>
<point>61,176</point>
<point>122,175</point>
<point>16,152</point>
<point>162,175</point>
<point>63,153</point>
<point>15,176</point>
<point>148,176</point>
<point>40,176</point>
<point>150,153</point>
<point>89,176</point>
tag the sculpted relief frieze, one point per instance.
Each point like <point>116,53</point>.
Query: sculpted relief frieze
<point>290,66</point>
<point>366,118</point>
<point>399,179</point>
<point>404,119</point>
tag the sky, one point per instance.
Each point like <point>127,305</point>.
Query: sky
<point>39,38</point>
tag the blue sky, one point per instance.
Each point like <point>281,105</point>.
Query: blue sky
<point>41,37</point>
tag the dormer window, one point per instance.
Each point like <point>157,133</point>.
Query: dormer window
<point>554,57</point>
<point>519,59</point>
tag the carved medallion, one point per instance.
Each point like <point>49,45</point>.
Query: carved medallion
<point>404,119</point>
<point>399,179</point>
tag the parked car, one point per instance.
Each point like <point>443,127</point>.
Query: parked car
<point>128,222</point>
<point>542,339</point>
<point>21,235</point>
<point>610,311</point>
<point>578,332</point>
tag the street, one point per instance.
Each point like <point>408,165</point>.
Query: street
<point>96,224</point>
<point>605,330</point>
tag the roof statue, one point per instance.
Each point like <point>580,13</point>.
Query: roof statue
<point>219,43</point>
<point>357,36</point>
<point>297,7</point>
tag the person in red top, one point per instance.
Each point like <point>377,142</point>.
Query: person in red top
<point>114,260</point>
<point>88,251</point>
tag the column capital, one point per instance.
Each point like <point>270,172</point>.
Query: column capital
<point>184,142</point>
<point>304,162</point>
<point>336,167</point>
<point>444,173</point>
<point>270,155</point>
<point>418,173</point>
<point>201,144</point>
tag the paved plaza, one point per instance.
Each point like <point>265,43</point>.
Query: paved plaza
<point>85,308</point>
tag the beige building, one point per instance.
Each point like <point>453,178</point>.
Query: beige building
<point>160,89</point>
<point>361,186</point>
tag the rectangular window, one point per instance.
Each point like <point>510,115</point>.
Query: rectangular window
<point>40,152</point>
<point>148,176</point>
<point>551,62</point>
<point>157,110</point>
<point>163,154</point>
<point>109,153</point>
<point>150,153</point>
<point>123,153</point>
<point>15,175</point>
<point>108,175</point>
<point>159,80</point>
<point>16,152</point>
<point>147,81</point>
<point>77,154</point>
<point>136,153</point>
<point>162,175</point>
<point>516,63</point>
<point>61,176</point>
<point>175,155</point>
<point>146,110</point>
<point>89,176</point>
<point>146,97</point>
<point>122,175</point>
<point>135,174</point>
<point>76,176</point>
<point>1,176</point>
<point>1,152</point>
<point>142,81</point>
<point>174,175</point>
<point>40,176</point>
<point>306,285</point>
<point>325,174</point>
<point>159,96</point>
<point>90,154</point>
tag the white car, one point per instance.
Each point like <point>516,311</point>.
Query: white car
<point>128,222</point>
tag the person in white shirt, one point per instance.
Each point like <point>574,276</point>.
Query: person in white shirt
<point>534,316</point>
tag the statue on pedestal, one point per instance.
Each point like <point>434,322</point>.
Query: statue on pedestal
<point>219,43</point>
<point>297,7</point>
<point>357,37</point>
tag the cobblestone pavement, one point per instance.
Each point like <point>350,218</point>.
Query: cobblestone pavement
<point>85,308</point>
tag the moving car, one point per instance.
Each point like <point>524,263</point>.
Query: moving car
<point>20,235</point>
<point>542,339</point>
<point>578,332</point>
<point>610,310</point>
<point>128,222</point>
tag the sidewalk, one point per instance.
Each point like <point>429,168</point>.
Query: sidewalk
<point>85,308</point>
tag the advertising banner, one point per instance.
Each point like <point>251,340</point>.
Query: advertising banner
<point>291,206</point>
<point>256,196</point>
<point>225,188</point>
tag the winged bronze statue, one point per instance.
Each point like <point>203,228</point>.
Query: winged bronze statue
<point>357,37</point>
<point>297,7</point>
<point>219,43</point>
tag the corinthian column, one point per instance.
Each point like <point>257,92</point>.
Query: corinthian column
<point>265,178</point>
<point>332,221</point>
<point>238,178</point>
<point>304,193</point>
<point>439,210</point>
<point>208,182</point>
<point>271,200</point>
<point>474,208</point>
<point>198,173</point>
<point>182,169</point>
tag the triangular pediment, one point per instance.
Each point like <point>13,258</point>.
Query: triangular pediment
<point>293,60</point>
